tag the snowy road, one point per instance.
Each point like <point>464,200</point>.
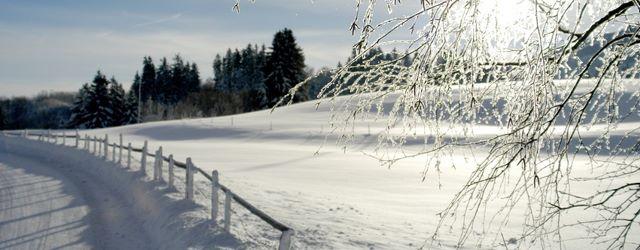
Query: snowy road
<point>48,206</point>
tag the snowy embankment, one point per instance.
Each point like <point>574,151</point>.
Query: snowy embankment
<point>56,196</point>
<point>334,199</point>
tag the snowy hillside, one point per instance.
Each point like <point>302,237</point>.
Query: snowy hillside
<point>334,199</point>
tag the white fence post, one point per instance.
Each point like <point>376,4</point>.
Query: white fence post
<point>160,163</point>
<point>77,139</point>
<point>227,210</point>
<point>94,145</point>
<point>143,160</point>
<point>171,163</point>
<point>120,151</point>
<point>214,196</point>
<point>99,142</point>
<point>25,133</point>
<point>285,240</point>
<point>155,165</point>
<point>49,135</point>
<point>189,189</point>
<point>129,155</point>
<point>113,152</point>
<point>55,138</point>
<point>106,147</point>
<point>64,138</point>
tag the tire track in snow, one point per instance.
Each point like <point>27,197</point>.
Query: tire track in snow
<point>49,205</point>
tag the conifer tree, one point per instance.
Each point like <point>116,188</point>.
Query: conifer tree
<point>284,68</point>
<point>217,71</point>
<point>163,81</point>
<point>176,89</point>
<point>227,72</point>
<point>131,112</point>
<point>193,79</point>
<point>148,80</point>
<point>79,116</point>
<point>98,107</point>
<point>117,103</point>
<point>235,80</point>
<point>253,64</point>
<point>135,86</point>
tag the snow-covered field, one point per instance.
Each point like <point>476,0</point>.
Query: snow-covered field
<point>335,199</point>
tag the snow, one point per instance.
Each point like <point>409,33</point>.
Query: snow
<point>59,197</point>
<point>334,199</point>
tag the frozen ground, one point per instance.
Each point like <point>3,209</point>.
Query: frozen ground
<point>54,197</point>
<point>335,199</point>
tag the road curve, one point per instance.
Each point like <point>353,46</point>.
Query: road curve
<point>52,206</point>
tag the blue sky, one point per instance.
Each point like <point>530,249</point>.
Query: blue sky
<point>58,45</point>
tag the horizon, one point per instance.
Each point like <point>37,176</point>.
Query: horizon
<point>48,50</point>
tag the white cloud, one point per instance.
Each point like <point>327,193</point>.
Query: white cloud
<point>159,21</point>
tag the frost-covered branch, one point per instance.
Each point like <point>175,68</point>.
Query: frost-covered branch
<point>552,78</point>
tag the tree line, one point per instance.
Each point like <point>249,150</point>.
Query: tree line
<point>248,79</point>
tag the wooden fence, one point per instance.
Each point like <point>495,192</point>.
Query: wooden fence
<point>100,148</point>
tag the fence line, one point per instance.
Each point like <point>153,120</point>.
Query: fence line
<point>101,148</point>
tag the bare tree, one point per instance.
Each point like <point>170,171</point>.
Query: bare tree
<point>551,76</point>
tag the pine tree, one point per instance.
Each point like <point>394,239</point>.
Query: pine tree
<point>176,89</point>
<point>284,67</point>
<point>133,98</point>
<point>217,71</point>
<point>148,80</point>
<point>135,86</point>
<point>236,83</point>
<point>163,82</point>
<point>253,64</point>
<point>193,79</point>
<point>98,107</point>
<point>117,102</point>
<point>79,113</point>
<point>227,72</point>
<point>131,113</point>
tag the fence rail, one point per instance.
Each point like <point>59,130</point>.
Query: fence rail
<point>101,147</point>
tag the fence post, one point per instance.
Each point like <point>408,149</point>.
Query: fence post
<point>189,189</point>
<point>77,139</point>
<point>227,210</point>
<point>94,145</point>
<point>106,147</point>
<point>113,152</point>
<point>143,160</point>
<point>160,163</point>
<point>285,240</point>
<point>171,170</point>
<point>64,138</point>
<point>99,142</point>
<point>55,138</point>
<point>120,151</point>
<point>25,133</point>
<point>49,136</point>
<point>129,155</point>
<point>214,196</point>
<point>155,165</point>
